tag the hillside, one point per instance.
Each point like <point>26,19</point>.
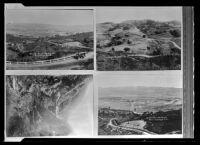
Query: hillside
<point>139,110</point>
<point>134,33</point>
<point>23,47</point>
<point>139,37</point>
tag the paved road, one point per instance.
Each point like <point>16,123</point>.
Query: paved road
<point>66,61</point>
<point>145,132</point>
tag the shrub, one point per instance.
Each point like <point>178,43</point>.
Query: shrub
<point>16,126</point>
<point>126,49</point>
<point>175,32</point>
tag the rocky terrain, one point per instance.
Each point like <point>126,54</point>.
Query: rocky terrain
<point>33,103</point>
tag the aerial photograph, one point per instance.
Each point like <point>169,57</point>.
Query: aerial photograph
<point>46,39</point>
<point>138,38</point>
<point>48,105</point>
<point>140,105</point>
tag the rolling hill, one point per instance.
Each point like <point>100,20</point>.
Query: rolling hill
<point>141,36</point>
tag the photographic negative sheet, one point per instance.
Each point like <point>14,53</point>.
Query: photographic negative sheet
<point>95,72</point>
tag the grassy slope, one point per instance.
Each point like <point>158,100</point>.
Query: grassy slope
<point>160,46</point>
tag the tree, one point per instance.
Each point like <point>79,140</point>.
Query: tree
<point>113,49</point>
<point>148,48</point>
<point>129,42</point>
<point>175,32</point>
<point>127,49</point>
<point>125,27</point>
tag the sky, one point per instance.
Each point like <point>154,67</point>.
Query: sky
<point>119,14</point>
<point>148,79</point>
<point>55,17</point>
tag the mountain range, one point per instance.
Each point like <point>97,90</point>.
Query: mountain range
<point>34,29</point>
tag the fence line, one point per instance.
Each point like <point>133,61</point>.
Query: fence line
<point>41,62</point>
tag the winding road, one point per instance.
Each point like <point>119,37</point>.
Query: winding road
<point>60,61</point>
<point>143,131</point>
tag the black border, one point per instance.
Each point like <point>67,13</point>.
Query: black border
<point>108,3</point>
<point>118,3</point>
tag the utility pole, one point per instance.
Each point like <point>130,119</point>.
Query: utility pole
<point>119,63</point>
<point>14,81</point>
